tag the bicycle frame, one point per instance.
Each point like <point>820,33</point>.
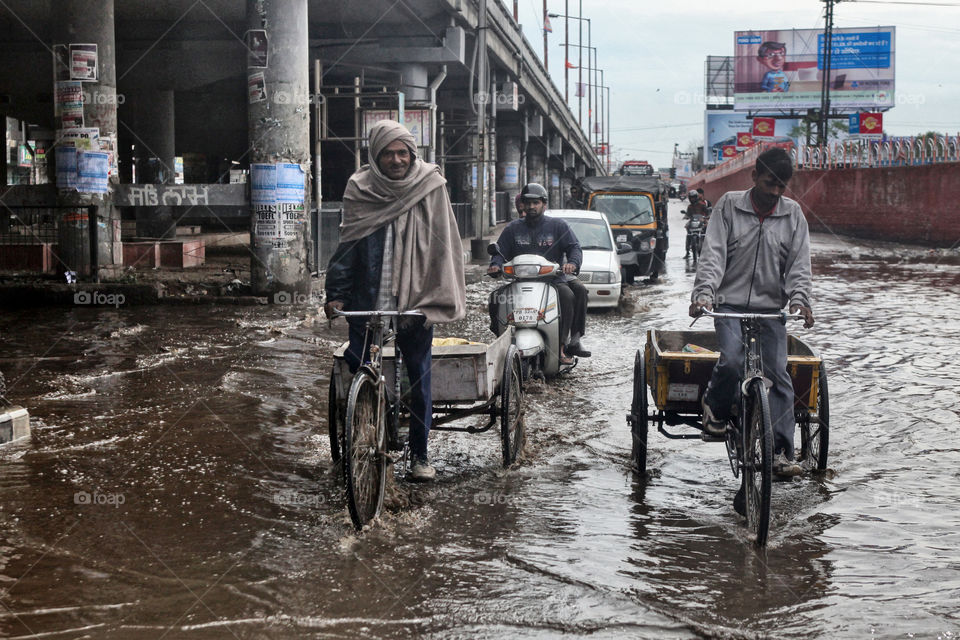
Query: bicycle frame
<point>375,337</point>
<point>752,370</point>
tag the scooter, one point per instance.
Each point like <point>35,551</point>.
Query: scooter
<point>529,303</point>
<point>695,229</point>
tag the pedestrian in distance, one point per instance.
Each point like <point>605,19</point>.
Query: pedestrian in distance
<point>400,249</point>
<point>755,259</point>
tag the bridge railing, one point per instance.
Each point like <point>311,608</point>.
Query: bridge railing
<point>898,152</point>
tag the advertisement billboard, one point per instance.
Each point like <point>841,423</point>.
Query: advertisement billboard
<point>722,129</point>
<point>784,69</point>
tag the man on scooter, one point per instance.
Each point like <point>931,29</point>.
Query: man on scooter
<point>697,207</point>
<point>553,239</point>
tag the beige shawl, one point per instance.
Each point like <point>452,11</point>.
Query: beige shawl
<point>427,250</point>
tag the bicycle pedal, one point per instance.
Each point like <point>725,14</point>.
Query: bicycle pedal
<point>706,437</point>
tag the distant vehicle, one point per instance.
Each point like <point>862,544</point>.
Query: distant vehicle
<point>636,168</point>
<point>637,210</point>
<point>600,271</point>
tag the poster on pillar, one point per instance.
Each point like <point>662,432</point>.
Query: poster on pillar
<point>68,104</point>
<point>256,88</point>
<point>83,62</point>
<point>257,48</point>
<point>277,193</point>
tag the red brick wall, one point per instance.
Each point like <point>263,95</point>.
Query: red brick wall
<point>914,205</point>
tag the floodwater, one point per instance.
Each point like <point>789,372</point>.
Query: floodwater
<point>178,484</point>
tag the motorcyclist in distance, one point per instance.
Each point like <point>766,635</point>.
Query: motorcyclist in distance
<point>696,207</point>
<point>553,239</point>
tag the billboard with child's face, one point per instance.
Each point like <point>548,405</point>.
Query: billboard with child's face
<point>784,69</point>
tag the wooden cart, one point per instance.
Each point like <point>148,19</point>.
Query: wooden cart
<point>677,378</point>
<point>466,380</point>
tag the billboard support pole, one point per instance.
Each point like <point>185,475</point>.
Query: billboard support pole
<point>825,89</point>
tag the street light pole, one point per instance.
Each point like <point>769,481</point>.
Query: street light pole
<point>566,45</point>
<point>566,51</point>
<point>544,27</point>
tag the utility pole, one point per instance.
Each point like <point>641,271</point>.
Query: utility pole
<point>544,27</point>
<point>580,71</point>
<point>822,131</point>
<point>479,191</point>
<point>566,51</point>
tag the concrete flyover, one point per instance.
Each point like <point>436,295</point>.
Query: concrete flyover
<point>221,91</point>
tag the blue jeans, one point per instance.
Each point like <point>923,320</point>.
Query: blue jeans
<point>415,345</point>
<point>721,393</point>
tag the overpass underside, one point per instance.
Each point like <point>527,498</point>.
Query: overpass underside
<point>231,86</point>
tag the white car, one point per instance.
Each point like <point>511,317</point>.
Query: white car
<point>600,271</point>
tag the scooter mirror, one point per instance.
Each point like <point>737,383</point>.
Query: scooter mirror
<point>493,249</point>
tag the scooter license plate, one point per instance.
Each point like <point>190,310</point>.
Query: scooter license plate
<point>525,316</point>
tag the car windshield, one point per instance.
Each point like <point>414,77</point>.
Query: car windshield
<point>592,234</point>
<point>624,208</point>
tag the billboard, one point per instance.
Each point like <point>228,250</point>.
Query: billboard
<point>784,69</point>
<point>725,128</point>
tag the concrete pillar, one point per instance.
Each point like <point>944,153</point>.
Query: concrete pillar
<point>508,170</point>
<point>90,22</point>
<point>556,195</point>
<point>415,85</point>
<point>155,135</point>
<point>536,163</point>
<point>278,115</point>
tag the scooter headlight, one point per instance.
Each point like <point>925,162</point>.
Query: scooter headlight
<point>526,270</point>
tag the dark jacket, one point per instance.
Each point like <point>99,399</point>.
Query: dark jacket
<point>353,275</point>
<point>549,237</point>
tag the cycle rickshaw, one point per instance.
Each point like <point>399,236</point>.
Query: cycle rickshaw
<point>676,366</point>
<point>365,417</point>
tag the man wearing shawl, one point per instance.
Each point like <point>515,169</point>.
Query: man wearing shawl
<point>399,249</point>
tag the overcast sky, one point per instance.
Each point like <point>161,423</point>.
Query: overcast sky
<point>653,58</point>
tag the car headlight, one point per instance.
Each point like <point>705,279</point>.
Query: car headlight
<point>604,277</point>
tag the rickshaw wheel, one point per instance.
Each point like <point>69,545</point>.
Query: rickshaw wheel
<point>364,449</point>
<point>638,412</point>
<point>815,438</point>
<point>758,461</point>
<point>334,422</point>
<point>511,407</point>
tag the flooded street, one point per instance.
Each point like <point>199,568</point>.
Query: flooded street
<point>178,484</point>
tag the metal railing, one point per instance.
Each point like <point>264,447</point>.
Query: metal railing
<point>40,226</point>
<point>463,212</point>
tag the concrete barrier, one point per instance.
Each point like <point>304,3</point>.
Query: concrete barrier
<point>14,424</point>
<point>913,205</point>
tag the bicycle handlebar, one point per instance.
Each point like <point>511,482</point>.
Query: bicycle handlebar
<point>782,316</point>
<point>356,314</point>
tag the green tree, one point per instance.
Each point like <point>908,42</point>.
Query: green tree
<point>807,130</point>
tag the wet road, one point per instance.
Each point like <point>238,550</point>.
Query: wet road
<point>178,485</point>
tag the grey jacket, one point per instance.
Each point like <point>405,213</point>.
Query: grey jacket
<point>754,265</point>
